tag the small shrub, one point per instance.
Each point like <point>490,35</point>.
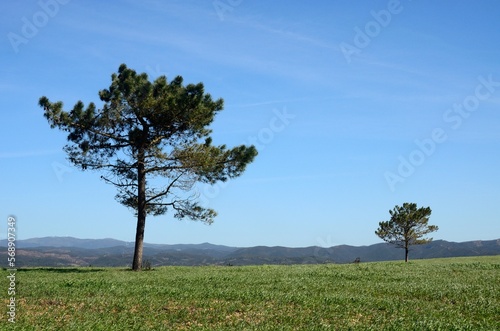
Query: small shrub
<point>146,265</point>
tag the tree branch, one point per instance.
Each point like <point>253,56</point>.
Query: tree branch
<point>166,191</point>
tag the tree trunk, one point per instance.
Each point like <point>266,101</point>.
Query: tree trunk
<point>141,213</point>
<point>406,253</point>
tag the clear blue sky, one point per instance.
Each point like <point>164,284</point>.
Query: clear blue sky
<point>354,109</point>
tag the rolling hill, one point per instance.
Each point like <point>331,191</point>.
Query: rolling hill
<point>69,251</point>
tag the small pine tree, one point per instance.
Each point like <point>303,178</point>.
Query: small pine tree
<point>407,226</point>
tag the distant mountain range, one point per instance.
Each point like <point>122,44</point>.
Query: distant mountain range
<point>69,251</point>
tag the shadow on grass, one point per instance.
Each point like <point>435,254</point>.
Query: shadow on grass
<point>62,270</point>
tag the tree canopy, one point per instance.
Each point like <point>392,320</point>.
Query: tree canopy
<point>407,226</point>
<point>151,140</point>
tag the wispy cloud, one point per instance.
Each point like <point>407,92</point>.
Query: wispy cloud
<point>266,48</point>
<point>301,177</point>
<point>25,154</point>
<point>274,102</point>
<point>269,28</point>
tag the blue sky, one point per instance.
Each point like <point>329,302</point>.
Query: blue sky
<point>354,109</point>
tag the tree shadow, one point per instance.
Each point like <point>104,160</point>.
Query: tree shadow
<point>61,270</point>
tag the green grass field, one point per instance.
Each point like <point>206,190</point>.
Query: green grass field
<point>438,294</point>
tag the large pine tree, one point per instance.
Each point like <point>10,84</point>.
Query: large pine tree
<point>151,140</point>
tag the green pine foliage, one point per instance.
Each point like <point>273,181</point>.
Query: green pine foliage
<point>149,132</point>
<point>407,226</point>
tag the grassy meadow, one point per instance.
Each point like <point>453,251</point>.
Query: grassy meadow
<point>436,294</point>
